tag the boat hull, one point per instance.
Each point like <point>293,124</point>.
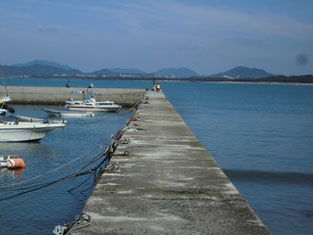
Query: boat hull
<point>93,109</point>
<point>90,104</point>
<point>66,113</point>
<point>33,132</point>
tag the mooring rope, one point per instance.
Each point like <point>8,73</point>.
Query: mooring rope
<point>41,183</point>
<point>74,174</point>
<point>10,185</point>
<point>82,220</point>
<point>27,186</point>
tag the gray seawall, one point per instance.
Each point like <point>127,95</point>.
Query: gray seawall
<point>167,184</point>
<point>58,95</point>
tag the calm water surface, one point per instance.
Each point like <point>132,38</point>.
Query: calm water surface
<point>261,135</point>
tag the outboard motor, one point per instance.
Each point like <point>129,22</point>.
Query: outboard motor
<point>10,109</point>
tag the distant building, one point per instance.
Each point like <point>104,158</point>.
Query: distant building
<point>229,77</point>
<point>172,76</point>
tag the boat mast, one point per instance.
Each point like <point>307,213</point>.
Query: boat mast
<point>3,81</point>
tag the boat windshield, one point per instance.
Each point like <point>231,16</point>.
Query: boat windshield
<point>87,97</point>
<point>105,103</point>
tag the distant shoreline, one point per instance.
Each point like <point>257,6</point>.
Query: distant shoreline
<point>193,79</point>
<point>268,83</point>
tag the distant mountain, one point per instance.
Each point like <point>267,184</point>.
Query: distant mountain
<point>103,72</point>
<point>38,71</point>
<point>127,71</point>
<point>243,72</point>
<point>178,72</point>
<point>47,63</point>
<point>45,68</point>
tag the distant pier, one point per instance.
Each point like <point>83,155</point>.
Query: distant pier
<point>167,183</point>
<point>58,95</point>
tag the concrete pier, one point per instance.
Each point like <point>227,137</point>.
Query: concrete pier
<point>167,184</point>
<point>58,95</point>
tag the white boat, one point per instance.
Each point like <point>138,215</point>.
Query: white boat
<point>90,104</point>
<point>66,113</point>
<point>4,98</point>
<point>27,129</point>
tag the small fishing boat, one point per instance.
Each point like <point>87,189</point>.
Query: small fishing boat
<point>67,113</point>
<point>4,108</point>
<point>4,98</point>
<point>90,104</point>
<point>25,129</point>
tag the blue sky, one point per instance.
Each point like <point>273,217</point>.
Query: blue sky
<point>206,36</point>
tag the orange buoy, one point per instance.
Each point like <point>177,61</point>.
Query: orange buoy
<point>15,163</point>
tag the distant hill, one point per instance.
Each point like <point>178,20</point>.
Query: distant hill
<point>37,71</point>
<point>47,63</point>
<point>243,72</point>
<point>127,71</point>
<point>41,68</point>
<point>103,72</point>
<point>234,75</point>
<point>178,72</point>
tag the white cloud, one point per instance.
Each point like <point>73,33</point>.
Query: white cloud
<point>155,17</point>
<point>160,33</point>
<point>166,19</point>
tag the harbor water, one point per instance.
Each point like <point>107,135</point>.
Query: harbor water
<point>261,136</point>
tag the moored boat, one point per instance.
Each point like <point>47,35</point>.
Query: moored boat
<point>26,129</point>
<point>67,113</point>
<point>4,108</point>
<point>90,104</point>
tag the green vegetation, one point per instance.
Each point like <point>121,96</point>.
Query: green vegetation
<point>240,74</point>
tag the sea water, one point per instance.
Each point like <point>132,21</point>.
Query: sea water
<point>261,135</point>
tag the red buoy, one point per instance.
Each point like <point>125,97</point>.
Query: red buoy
<point>15,163</point>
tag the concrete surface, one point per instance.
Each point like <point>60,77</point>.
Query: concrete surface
<point>58,95</point>
<point>168,184</point>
